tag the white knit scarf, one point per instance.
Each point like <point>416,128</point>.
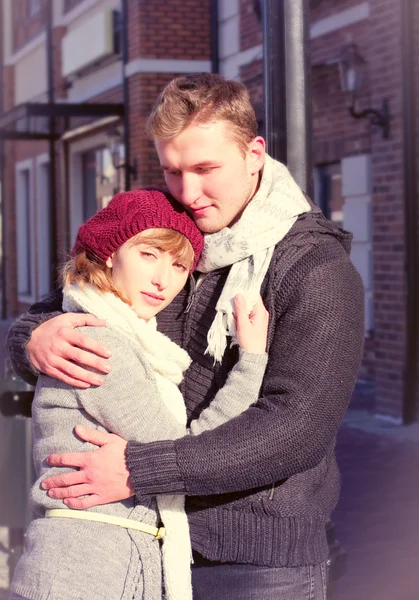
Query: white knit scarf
<point>169,362</point>
<point>248,246</point>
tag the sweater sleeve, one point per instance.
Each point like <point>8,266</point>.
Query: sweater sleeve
<point>238,393</point>
<point>20,333</point>
<point>312,368</point>
<point>127,403</point>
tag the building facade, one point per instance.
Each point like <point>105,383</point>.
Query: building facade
<point>364,181</point>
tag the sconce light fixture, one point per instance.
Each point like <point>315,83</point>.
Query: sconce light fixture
<point>114,139</point>
<point>352,70</point>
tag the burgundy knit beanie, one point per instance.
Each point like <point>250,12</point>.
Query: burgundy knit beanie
<point>129,213</point>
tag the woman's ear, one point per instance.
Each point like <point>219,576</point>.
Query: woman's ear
<point>109,262</point>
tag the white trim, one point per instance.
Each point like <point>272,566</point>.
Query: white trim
<point>96,83</point>
<point>90,128</point>
<point>22,250</point>
<point>388,419</point>
<point>43,229</point>
<point>7,40</point>
<point>166,65</point>
<point>27,49</point>
<point>76,12</point>
<point>341,19</point>
<point>228,9</point>
<point>230,66</point>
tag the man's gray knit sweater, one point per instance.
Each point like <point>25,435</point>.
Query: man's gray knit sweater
<point>261,487</point>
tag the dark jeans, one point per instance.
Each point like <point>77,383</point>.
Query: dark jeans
<point>212,581</point>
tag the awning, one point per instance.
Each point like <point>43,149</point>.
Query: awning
<point>31,121</point>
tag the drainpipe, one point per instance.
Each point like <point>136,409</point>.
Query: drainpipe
<point>215,57</point>
<point>125,91</point>
<point>51,145</point>
<point>298,93</point>
<point>410,198</point>
<point>273,22</point>
<point>2,186</point>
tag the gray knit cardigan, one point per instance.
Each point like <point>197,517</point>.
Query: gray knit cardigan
<point>261,487</point>
<point>79,560</point>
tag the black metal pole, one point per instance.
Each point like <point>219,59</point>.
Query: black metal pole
<point>2,186</point>
<point>51,145</point>
<point>298,92</point>
<point>125,91</point>
<point>410,200</point>
<point>275,78</point>
<point>215,57</point>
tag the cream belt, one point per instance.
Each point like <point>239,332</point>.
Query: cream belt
<point>67,513</point>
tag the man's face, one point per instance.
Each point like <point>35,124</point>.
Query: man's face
<point>207,172</point>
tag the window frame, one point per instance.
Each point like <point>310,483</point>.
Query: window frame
<point>25,249</point>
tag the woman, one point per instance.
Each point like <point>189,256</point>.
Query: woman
<point>128,263</point>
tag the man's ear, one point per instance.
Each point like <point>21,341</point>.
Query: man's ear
<point>109,262</point>
<point>257,151</point>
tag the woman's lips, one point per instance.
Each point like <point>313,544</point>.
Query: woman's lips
<point>152,299</point>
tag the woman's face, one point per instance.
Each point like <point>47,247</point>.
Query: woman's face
<point>150,277</point>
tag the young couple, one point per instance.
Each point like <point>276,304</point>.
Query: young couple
<point>260,482</point>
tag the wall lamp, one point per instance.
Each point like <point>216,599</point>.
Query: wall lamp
<point>114,143</point>
<point>352,71</point>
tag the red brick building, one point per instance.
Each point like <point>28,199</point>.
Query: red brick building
<point>363,180</point>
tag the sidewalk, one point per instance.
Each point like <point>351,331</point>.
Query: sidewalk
<point>377,518</point>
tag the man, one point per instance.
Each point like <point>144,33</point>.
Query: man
<point>261,487</point>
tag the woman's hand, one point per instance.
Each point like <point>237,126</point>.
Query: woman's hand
<point>252,329</point>
<point>55,346</point>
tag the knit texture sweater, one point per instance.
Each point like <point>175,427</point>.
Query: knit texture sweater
<point>76,559</point>
<point>262,486</point>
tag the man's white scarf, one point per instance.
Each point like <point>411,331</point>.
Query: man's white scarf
<point>169,362</point>
<point>248,246</point>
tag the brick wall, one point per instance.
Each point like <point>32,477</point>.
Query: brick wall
<point>70,4</point>
<point>388,209</point>
<point>416,79</point>
<point>320,9</point>
<point>144,89</point>
<point>250,27</point>
<point>176,29</point>
<point>336,133</point>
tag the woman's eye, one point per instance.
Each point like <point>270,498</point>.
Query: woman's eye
<point>147,254</point>
<point>180,267</point>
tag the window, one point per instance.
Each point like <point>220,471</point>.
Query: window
<point>328,192</point>
<point>34,7</point>
<point>43,227</point>
<point>24,232</point>
<point>100,180</point>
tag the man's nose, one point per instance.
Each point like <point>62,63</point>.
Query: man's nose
<point>190,191</point>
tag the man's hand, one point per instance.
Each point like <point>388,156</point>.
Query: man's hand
<point>103,476</point>
<point>55,346</point>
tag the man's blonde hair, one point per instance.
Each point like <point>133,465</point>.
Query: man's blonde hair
<point>203,98</point>
<point>84,268</point>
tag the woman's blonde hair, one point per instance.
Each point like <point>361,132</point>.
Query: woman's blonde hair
<point>86,268</point>
<point>203,98</point>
